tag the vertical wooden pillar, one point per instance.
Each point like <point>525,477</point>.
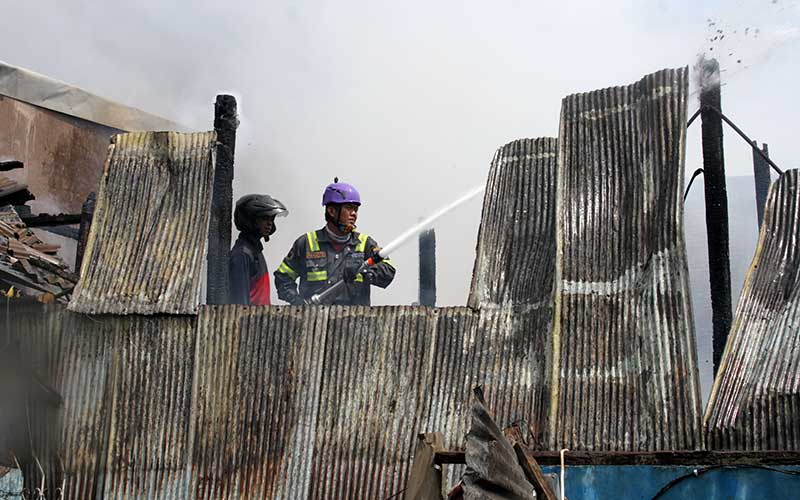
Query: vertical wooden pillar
<point>762,180</point>
<point>87,214</point>
<point>716,210</point>
<point>219,233</point>
<point>427,268</point>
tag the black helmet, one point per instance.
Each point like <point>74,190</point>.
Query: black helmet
<point>252,206</point>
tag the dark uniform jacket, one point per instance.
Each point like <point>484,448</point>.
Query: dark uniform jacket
<point>314,260</point>
<point>248,272</point>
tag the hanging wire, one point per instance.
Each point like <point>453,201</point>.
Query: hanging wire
<point>737,130</point>
<point>694,175</point>
<point>699,472</point>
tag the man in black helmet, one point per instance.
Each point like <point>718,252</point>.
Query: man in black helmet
<point>254,217</point>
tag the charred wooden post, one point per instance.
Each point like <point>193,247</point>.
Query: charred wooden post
<point>427,479</point>
<point>219,233</point>
<point>45,220</point>
<point>427,268</point>
<point>719,269</point>
<point>533,473</point>
<point>87,213</point>
<point>761,178</point>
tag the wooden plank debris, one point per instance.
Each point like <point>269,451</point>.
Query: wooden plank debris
<point>426,480</point>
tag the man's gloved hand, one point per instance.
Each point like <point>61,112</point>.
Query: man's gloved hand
<point>368,275</point>
<point>350,270</point>
<point>298,301</point>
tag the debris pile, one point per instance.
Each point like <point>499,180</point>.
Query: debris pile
<point>28,263</point>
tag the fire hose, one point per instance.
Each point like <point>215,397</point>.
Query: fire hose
<point>335,289</point>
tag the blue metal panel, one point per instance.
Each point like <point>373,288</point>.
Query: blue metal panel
<point>10,483</point>
<point>644,482</point>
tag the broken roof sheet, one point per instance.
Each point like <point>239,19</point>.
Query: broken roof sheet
<point>39,90</point>
<point>755,400</point>
<point>625,371</point>
<point>493,471</point>
<point>515,258</point>
<point>149,236</point>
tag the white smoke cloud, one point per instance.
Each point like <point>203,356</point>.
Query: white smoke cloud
<point>406,100</point>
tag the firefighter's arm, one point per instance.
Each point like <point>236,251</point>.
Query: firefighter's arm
<point>287,273</point>
<point>239,271</point>
<point>382,273</point>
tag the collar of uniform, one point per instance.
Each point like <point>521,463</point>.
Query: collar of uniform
<point>322,235</point>
<point>252,240</point>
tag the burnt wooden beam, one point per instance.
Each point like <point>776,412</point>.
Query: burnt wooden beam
<point>87,214</point>
<point>426,481</point>
<point>5,166</point>
<point>719,268</point>
<point>427,268</point>
<point>687,457</point>
<point>762,179</point>
<point>51,220</point>
<point>219,232</point>
<point>16,195</point>
<point>533,473</point>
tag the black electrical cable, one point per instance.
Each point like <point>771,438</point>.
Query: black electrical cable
<point>694,116</point>
<point>694,175</point>
<point>700,472</point>
<point>742,134</point>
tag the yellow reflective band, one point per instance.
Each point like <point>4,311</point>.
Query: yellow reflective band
<point>317,276</point>
<point>313,243</point>
<point>362,243</point>
<point>359,278</point>
<point>387,261</point>
<point>285,269</point>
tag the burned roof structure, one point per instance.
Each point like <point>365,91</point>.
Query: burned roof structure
<point>591,343</point>
<point>590,244</point>
<point>755,401</point>
<point>624,364</point>
<point>150,230</point>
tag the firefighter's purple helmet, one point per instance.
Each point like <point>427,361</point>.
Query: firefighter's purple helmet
<point>340,192</point>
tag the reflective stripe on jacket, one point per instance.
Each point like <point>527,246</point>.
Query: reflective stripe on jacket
<point>318,264</point>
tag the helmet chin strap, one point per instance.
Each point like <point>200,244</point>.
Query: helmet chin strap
<point>345,228</point>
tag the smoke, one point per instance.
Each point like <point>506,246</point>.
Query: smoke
<point>406,101</point>
<point>746,35</point>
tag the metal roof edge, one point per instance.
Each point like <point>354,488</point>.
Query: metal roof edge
<point>39,90</point>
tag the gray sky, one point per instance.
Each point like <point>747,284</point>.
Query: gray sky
<point>407,100</point>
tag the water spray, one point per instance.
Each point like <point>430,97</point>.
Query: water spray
<point>382,254</point>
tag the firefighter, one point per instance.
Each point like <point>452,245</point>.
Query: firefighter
<point>254,217</point>
<point>336,252</point>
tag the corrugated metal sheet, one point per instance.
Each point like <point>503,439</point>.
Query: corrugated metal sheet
<point>150,231</point>
<point>755,400</point>
<point>126,426</point>
<point>256,401</point>
<point>280,402</point>
<point>625,374</point>
<point>515,258</point>
<point>30,332</point>
<point>493,472</point>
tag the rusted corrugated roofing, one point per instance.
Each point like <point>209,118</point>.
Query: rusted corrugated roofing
<point>515,258</point>
<point>150,230</point>
<point>755,400</point>
<point>281,402</point>
<point>625,371</point>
